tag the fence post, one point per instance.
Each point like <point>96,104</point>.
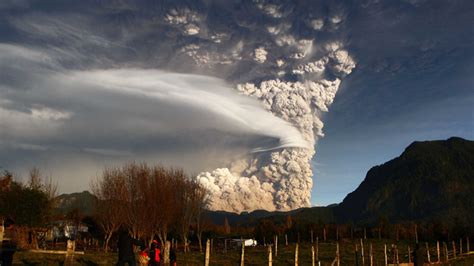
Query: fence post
<point>276,245</point>
<point>446,255</point>
<point>396,255</point>
<point>208,252</point>
<point>166,255</point>
<point>362,252</point>
<point>409,254</point>
<point>242,254</point>
<point>212,245</point>
<point>416,233</point>
<point>428,252</point>
<point>385,253</point>
<point>2,230</point>
<point>437,251</point>
<point>454,250</point>
<point>70,249</point>
<point>317,248</point>
<point>269,255</point>
<point>371,255</point>
<point>313,263</point>
<point>338,258</point>
<point>311,237</point>
<point>296,255</point>
<point>467,245</point>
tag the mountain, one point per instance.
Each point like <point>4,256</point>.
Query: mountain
<point>83,202</point>
<point>429,181</point>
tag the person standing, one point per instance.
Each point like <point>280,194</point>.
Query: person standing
<point>8,247</point>
<point>419,255</point>
<point>172,257</point>
<point>125,248</point>
<point>155,254</point>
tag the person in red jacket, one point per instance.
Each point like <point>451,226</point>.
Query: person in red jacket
<point>155,254</point>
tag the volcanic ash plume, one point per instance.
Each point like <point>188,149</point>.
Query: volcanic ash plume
<point>296,79</point>
<point>280,180</point>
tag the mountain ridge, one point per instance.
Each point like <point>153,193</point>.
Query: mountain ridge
<point>431,181</point>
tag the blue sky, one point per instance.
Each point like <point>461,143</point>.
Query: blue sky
<point>414,82</point>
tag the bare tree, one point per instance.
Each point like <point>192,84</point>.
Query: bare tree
<point>166,186</point>
<point>200,218</point>
<point>110,206</point>
<point>38,182</point>
<point>136,184</point>
<point>191,199</point>
<point>45,184</point>
<point>151,201</point>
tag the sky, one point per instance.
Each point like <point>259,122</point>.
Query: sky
<point>254,87</point>
<point>413,83</point>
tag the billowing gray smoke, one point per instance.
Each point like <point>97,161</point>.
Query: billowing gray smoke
<point>281,180</point>
<point>297,85</point>
<point>286,60</point>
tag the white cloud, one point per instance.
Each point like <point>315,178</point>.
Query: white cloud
<point>317,24</point>
<point>191,29</point>
<point>260,55</point>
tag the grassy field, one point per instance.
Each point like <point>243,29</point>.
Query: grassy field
<point>253,256</point>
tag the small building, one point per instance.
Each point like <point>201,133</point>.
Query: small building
<point>67,229</point>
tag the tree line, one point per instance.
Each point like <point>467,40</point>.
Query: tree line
<point>153,201</point>
<point>29,204</point>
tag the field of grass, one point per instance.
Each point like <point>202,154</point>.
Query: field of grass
<point>253,255</point>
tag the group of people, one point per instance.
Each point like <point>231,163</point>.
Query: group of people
<point>152,255</point>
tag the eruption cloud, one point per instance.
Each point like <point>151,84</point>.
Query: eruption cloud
<point>205,94</point>
<point>117,82</point>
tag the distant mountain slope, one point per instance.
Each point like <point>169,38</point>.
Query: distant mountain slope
<point>306,215</point>
<point>429,181</point>
<point>83,201</point>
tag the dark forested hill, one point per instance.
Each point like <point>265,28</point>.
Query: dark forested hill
<point>82,202</point>
<point>429,181</point>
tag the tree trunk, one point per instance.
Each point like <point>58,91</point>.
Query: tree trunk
<point>107,240</point>
<point>185,242</point>
<point>199,237</point>
<point>2,229</point>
